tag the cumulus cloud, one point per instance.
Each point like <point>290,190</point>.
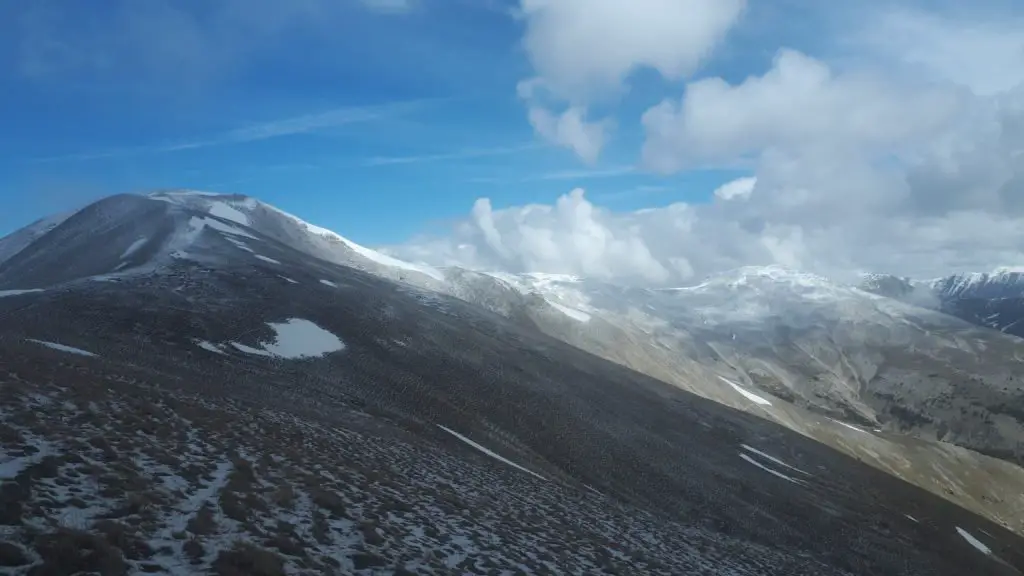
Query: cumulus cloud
<point>986,56</point>
<point>857,167</point>
<point>583,51</point>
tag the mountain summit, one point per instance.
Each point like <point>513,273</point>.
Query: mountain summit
<point>196,383</point>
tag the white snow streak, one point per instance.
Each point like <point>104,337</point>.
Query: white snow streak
<point>296,339</point>
<point>240,244</point>
<point>5,293</point>
<point>490,453</point>
<point>973,541</point>
<point>746,393</point>
<point>771,458</point>
<point>134,247</point>
<point>266,259</point>
<point>227,212</point>
<point>328,283</point>
<point>62,347</point>
<point>289,280</point>
<point>573,313</point>
<point>850,426</point>
<point>769,470</point>
<point>208,346</point>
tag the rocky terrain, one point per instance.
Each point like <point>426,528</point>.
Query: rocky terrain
<point>183,393</point>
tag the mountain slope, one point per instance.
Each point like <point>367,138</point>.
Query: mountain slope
<point>993,300</point>
<point>255,368</point>
<point>842,352</point>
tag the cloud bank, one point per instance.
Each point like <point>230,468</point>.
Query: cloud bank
<point>893,159</point>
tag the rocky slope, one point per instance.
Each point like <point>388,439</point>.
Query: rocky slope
<point>195,394</point>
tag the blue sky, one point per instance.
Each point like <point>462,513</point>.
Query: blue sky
<point>387,119</point>
<point>375,123</point>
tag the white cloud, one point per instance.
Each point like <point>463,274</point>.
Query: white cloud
<point>739,188</point>
<point>986,56</point>
<point>571,130</point>
<point>856,167</point>
<point>579,47</point>
<point>584,50</point>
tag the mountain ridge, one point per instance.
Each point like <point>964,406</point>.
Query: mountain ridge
<point>789,348</point>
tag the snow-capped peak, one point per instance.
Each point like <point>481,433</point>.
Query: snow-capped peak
<point>302,235</point>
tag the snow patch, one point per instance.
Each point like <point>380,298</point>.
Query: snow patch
<point>62,348</point>
<point>266,259</point>
<point>912,519</point>
<point>227,212</point>
<point>746,393</point>
<point>328,283</point>
<point>489,452</point>
<point>197,224</point>
<point>288,280</point>
<point>208,346</point>
<point>5,293</point>
<point>973,541</point>
<point>134,247</point>
<point>296,339</point>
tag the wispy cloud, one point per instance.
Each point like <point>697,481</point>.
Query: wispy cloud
<point>391,6</point>
<point>305,124</point>
<point>612,172</point>
<point>465,154</point>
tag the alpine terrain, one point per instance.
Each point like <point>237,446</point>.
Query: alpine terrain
<point>196,383</point>
<point>994,300</point>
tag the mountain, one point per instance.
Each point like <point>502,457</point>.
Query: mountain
<point>185,392</point>
<point>994,300</point>
<point>837,351</point>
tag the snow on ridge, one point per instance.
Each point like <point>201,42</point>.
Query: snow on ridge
<point>62,347</point>
<point>373,255</point>
<point>296,339</point>
<point>490,453</point>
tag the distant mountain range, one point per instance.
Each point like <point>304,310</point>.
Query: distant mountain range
<point>994,300</point>
<point>743,425</point>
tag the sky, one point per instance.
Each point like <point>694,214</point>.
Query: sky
<point>649,142</point>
